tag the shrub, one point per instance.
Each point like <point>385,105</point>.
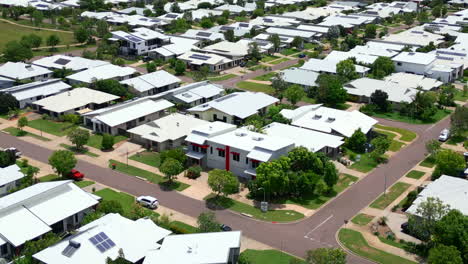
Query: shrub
<point>107,142</point>
<point>391,237</point>
<point>368,109</point>
<point>193,172</point>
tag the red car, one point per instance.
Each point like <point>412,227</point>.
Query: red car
<point>76,175</point>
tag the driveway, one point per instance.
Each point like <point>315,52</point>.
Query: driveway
<point>316,231</point>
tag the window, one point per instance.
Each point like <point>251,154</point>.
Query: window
<point>195,148</point>
<point>246,160</point>
<point>76,218</point>
<point>215,117</point>
<point>398,63</point>
<point>3,249</point>
<point>236,156</point>
<point>211,150</point>
<point>221,153</point>
<point>255,164</point>
<point>141,119</point>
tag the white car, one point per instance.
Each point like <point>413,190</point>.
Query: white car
<point>14,150</point>
<point>148,201</point>
<point>444,135</point>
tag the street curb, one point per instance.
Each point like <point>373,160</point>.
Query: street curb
<point>349,250</point>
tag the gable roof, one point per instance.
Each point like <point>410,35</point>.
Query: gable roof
<point>415,57</point>
<point>68,62</point>
<point>20,70</point>
<point>39,88</point>
<point>10,174</point>
<point>103,72</point>
<point>328,65</point>
<point>152,80</point>
<point>366,87</point>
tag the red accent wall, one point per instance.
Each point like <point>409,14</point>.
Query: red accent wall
<point>228,158</point>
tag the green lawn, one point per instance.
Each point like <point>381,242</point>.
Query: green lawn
<point>83,184</point>
<point>428,162</point>
<point>256,67</point>
<point>309,46</point>
<point>406,135</point>
<point>265,77</point>
<point>96,140</point>
<point>150,176</point>
<point>47,52</point>
<point>415,174</point>
<point>148,158</point>
<point>18,133</point>
<point>269,257</point>
<point>222,77</point>
<point>394,115</point>
<point>73,149</point>
<point>309,100</point>
<point>362,219</point>
<point>255,87</point>
<point>52,127</point>
<point>183,226</point>
<point>278,61</point>
<point>389,135</point>
<point>50,177</point>
<point>459,96</point>
<point>125,199</point>
<point>365,164</point>
<point>354,241</point>
<point>396,145</point>
<point>269,58</point>
<point>313,201</point>
<point>11,32</point>
<point>272,215</point>
<point>394,192</point>
<point>392,243</point>
<point>289,51</point>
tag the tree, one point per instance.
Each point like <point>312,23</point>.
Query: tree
<point>7,158</point>
<point>423,17</point>
<point>326,256</point>
<point>422,223</point>
<point>279,85</point>
<point>275,40</point>
<point>8,102</point>
<point>330,175</point>
<point>452,230</point>
<point>298,42</point>
<point>171,167</point>
<point>448,162</point>
<point>423,105</point>
<point>382,67</point>
<point>370,31</point>
<point>107,142</point>
<point>37,17</point>
<point>147,13</point>
<point>330,90</point>
<point>176,153</point>
<point>294,93</point>
<point>459,121</point>
<point>442,254</point>
<point>79,137</point>
<point>63,161</point>
<point>52,41</point>
<point>205,5</point>
<point>111,86</point>
<point>175,8</point>
<point>222,20</point>
<point>22,122</point>
<point>206,22</point>
<point>207,222</point>
<point>202,73</point>
<point>15,52</point>
<point>379,98</point>
<point>254,51</point>
<point>381,145</point>
<point>223,182</point>
<point>31,41</point>
<point>226,14</point>
<point>356,142</point>
<point>31,247</point>
<point>258,13</point>
<point>81,34</point>
<point>179,67</point>
<point>110,207</point>
<point>408,18</point>
<point>151,67</point>
<point>229,35</point>
<point>433,146</point>
<point>346,70</point>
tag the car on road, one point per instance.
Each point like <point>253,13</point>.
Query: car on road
<point>225,227</point>
<point>444,135</point>
<point>76,175</point>
<point>14,150</point>
<point>148,201</point>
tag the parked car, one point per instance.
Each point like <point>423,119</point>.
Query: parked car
<point>76,175</point>
<point>14,150</point>
<point>147,59</point>
<point>405,227</point>
<point>225,227</point>
<point>148,201</point>
<point>444,135</point>
<point>302,55</point>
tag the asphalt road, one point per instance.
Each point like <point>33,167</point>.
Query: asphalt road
<point>316,231</point>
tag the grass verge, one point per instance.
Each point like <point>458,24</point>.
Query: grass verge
<point>365,164</point>
<point>265,77</point>
<point>96,140</point>
<point>222,77</point>
<point>255,87</point>
<point>84,151</point>
<point>396,145</point>
<point>428,162</point>
<point>385,200</point>
<point>278,61</point>
<point>440,114</point>
<point>269,256</point>
<point>183,226</point>
<point>415,174</point>
<point>50,177</point>
<point>18,133</point>
<point>362,219</point>
<point>148,158</point>
<point>51,127</point>
<point>406,135</point>
<point>83,184</point>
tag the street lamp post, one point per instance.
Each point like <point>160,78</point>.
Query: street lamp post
<point>264,204</point>
<point>264,196</point>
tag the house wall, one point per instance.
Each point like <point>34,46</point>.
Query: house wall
<point>38,78</point>
<point>5,189</point>
<point>411,67</point>
<point>209,115</point>
<point>115,130</point>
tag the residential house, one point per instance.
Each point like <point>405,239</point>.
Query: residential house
<point>239,28</point>
<point>223,146</point>
<point>227,108</point>
<point>414,81</point>
<point>275,20</point>
<point>414,37</point>
<point>235,51</point>
<point>75,64</point>
<point>130,20</point>
<point>348,21</point>
<point>106,238</point>
<point>169,17</point>
<point>215,63</point>
<point>10,178</point>
<point>75,101</point>
<point>179,45</point>
<point>43,207</point>
<point>29,93</point>
<point>329,66</point>
<point>103,72</point>
<point>6,83</point>
<point>166,132</point>
<point>140,41</point>
<point>22,72</point>
<point>152,83</point>
<point>329,120</point>
<point>452,58</point>
<point>303,77</point>
<point>237,9</point>
<point>312,140</point>
<point>200,13</point>
<point>119,118</point>
<point>203,35</point>
<point>291,32</point>
<point>201,248</point>
<point>196,93</point>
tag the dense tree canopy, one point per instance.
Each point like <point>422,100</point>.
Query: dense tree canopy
<point>15,51</point>
<point>63,161</point>
<point>113,87</point>
<point>382,67</point>
<point>448,162</point>
<point>330,90</point>
<point>9,102</point>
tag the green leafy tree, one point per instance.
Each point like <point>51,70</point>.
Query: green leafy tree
<point>294,93</point>
<point>202,73</point>
<point>254,51</point>
<point>298,42</point>
<point>176,153</point>
<point>326,256</point>
<point>330,175</point>
<point>52,41</point>
<point>279,85</point>
<point>8,102</point>
<point>370,31</point>
<point>223,182</point>
<point>229,35</point>
<point>175,8</point>
<point>448,162</point>
<point>459,121</point>
<point>151,67</point>
<point>423,17</point>
<point>381,145</point>
<point>442,254</point>
<point>424,105</point>
<point>275,40</point>
<point>207,222</point>
<point>408,18</point>
<point>382,67</point>
<point>356,142</point>
<point>111,86</point>
<point>346,70</point>
<point>452,230</point>
<point>330,90</point>
<point>179,67</point>
<point>258,13</point>
<point>206,23</point>
<point>379,98</point>
<point>15,52</point>
<point>422,224</point>
<point>31,247</point>
<point>37,17</point>
<point>110,207</point>
<point>171,168</point>
<point>81,34</point>
<point>22,122</point>
<point>433,146</point>
<point>31,41</point>
<point>79,137</point>
<point>107,141</point>
<point>62,161</point>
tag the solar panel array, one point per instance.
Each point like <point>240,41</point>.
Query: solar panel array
<point>227,28</point>
<point>199,57</point>
<point>268,20</point>
<point>102,242</point>
<point>204,34</point>
<point>171,15</point>
<point>444,58</point>
<point>243,24</point>
<point>62,61</point>
<point>134,39</point>
<point>451,53</point>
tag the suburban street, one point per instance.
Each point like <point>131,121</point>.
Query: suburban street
<point>319,230</point>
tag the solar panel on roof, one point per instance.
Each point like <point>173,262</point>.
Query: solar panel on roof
<point>268,20</point>
<point>134,39</point>
<point>451,53</point>
<point>244,25</point>
<point>62,61</point>
<point>444,58</point>
<point>203,34</point>
<point>102,242</point>
<point>171,16</point>
<point>417,32</point>
<point>41,5</point>
<point>227,28</point>
<point>199,57</point>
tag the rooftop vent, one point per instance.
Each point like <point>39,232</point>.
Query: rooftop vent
<point>317,117</point>
<point>330,119</point>
<point>240,134</point>
<point>257,138</point>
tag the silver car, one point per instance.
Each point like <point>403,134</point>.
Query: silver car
<point>444,135</point>
<point>148,201</point>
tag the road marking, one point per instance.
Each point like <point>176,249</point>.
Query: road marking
<point>319,225</point>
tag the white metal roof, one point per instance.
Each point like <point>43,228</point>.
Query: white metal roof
<point>10,174</point>
<point>450,190</point>
<point>415,57</point>
<point>203,34</point>
<point>299,76</point>
<point>135,238</point>
<point>74,98</point>
<point>198,58</point>
<point>103,72</point>
<point>20,70</point>
<point>328,65</point>
<point>337,55</point>
<point>228,49</point>
<point>415,36</point>
<point>200,134</point>
<point>170,127</point>
<point>152,80</point>
<point>312,140</point>
<point>367,86</point>
<point>68,62</point>
<point>251,103</point>
<point>291,32</point>
<point>39,88</point>
<point>409,80</point>
<point>206,90</point>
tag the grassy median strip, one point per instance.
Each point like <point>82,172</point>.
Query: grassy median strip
<point>152,177</point>
<point>385,200</point>
<point>148,158</point>
<point>18,133</point>
<point>222,77</point>
<point>354,241</point>
<point>396,145</point>
<point>362,219</point>
<point>406,135</point>
<point>428,162</point>
<point>415,174</point>
<point>84,151</point>
<point>271,215</point>
<point>269,256</point>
